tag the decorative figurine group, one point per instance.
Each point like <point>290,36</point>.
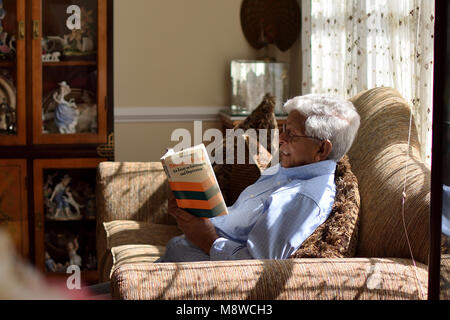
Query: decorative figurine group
<point>7,49</point>
<point>64,200</point>
<point>60,202</point>
<point>74,259</point>
<point>79,42</point>
<point>67,198</point>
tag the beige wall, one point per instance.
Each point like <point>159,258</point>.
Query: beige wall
<point>148,142</point>
<point>174,53</point>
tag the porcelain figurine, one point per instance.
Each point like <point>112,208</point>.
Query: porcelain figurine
<point>50,265</point>
<point>51,57</point>
<point>71,201</point>
<point>58,195</point>
<point>5,47</point>
<point>48,191</point>
<point>72,248</point>
<point>64,200</point>
<point>66,112</point>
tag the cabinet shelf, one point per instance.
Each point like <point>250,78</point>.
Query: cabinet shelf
<point>69,63</point>
<point>7,64</point>
<point>61,221</point>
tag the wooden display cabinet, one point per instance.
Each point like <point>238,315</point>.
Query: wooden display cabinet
<point>56,115</point>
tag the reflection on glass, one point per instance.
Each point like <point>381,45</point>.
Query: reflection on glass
<point>8,31</point>
<point>69,55</point>
<point>8,124</point>
<point>8,25</point>
<point>252,79</point>
<point>69,30</point>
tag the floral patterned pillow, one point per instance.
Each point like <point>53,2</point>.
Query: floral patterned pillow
<point>338,235</point>
<point>234,178</point>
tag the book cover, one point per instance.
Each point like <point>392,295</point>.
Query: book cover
<point>193,182</point>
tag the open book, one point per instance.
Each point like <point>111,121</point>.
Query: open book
<point>193,182</point>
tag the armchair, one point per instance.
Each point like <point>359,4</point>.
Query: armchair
<point>133,227</point>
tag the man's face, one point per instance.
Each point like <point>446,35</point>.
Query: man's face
<point>297,150</point>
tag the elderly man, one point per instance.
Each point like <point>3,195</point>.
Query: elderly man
<point>272,217</point>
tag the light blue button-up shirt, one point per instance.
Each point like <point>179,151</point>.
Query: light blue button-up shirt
<point>272,217</point>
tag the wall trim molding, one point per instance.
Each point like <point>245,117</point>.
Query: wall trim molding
<point>166,114</point>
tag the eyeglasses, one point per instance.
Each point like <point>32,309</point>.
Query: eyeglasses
<point>291,137</point>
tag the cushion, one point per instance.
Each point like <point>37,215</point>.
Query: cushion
<point>234,178</point>
<point>263,117</point>
<point>127,232</point>
<point>338,235</point>
<point>303,279</point>
<point>445,276</point>
<point>135,253</point>
<point>133,241</point>
<point>378,158</point>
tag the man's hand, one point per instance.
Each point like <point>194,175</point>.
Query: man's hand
<point>200,232</point>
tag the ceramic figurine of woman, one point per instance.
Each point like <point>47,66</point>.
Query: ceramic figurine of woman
<point>66,112</point>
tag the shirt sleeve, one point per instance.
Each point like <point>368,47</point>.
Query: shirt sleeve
<point>288,220</point>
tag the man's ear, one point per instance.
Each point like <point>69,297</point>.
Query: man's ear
<point>323,151</point>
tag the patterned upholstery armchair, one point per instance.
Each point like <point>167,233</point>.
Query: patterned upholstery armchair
<point>133,227</point>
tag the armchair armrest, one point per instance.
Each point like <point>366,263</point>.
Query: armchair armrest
<point>128,191</point>
<point>132,191</point>
<point>305,279</point>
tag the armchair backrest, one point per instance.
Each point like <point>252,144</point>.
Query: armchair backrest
<point>378,158</point>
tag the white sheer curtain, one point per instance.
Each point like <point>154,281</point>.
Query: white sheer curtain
<point>354,45</point>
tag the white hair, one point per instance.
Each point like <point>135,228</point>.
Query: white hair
<point>328,118</point>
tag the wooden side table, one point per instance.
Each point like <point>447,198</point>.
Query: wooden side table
<point>229,121</point>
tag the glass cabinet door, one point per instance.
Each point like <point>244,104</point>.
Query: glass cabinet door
<point>65,211</point>
<point>69,71</point>
<point>12,73</point>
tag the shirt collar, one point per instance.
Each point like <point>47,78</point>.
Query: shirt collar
<point>311,170</point>
<point>304,172</point>
<point>308,171</point>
